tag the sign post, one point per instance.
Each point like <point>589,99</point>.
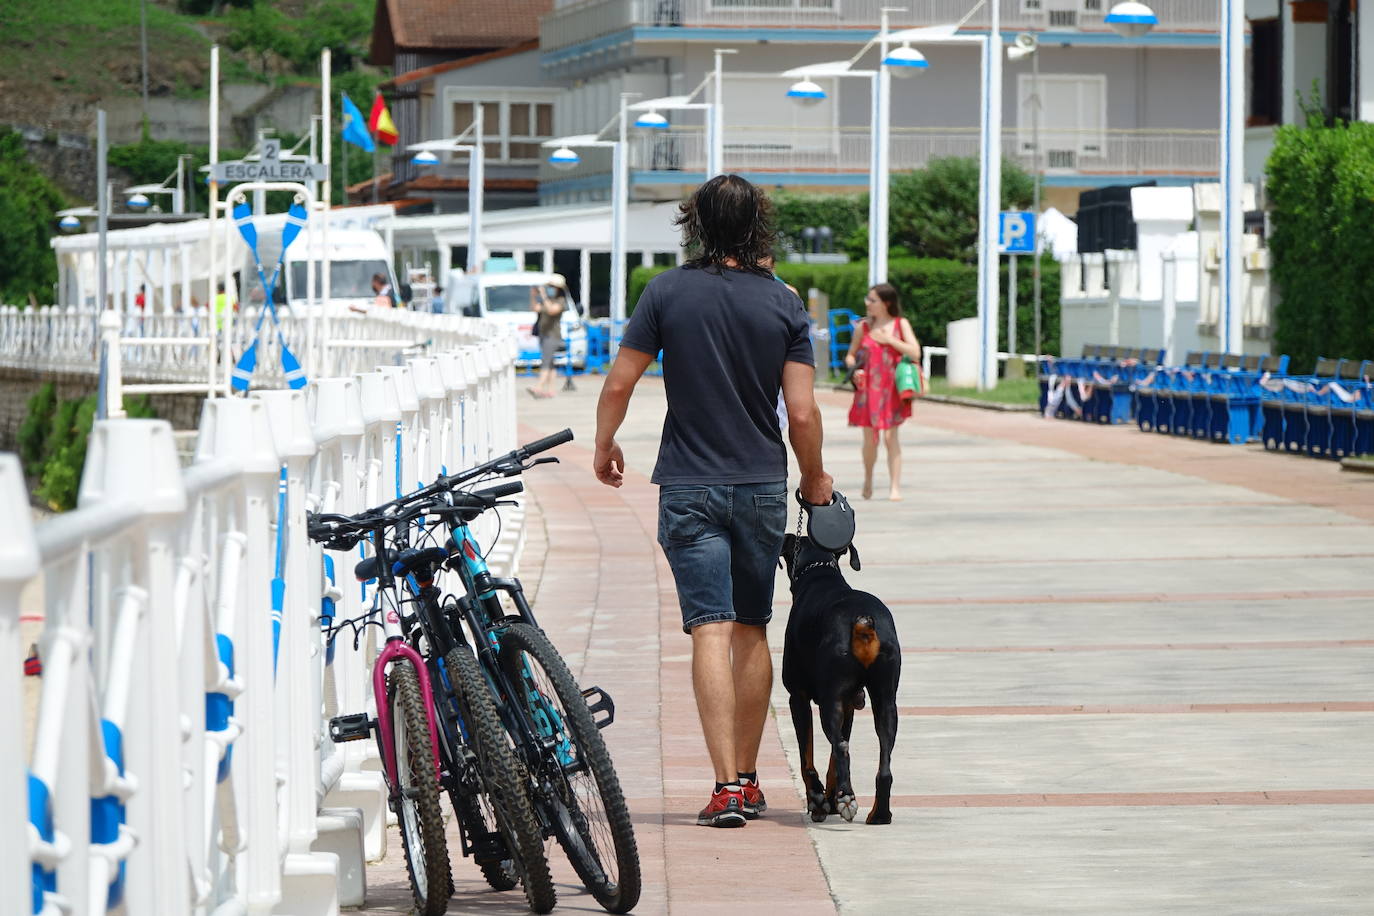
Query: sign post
<point>269,167</point>
<point>1016,236</point>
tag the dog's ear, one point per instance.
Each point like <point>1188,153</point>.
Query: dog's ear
<point>789,545</point>
<point>853,558</point>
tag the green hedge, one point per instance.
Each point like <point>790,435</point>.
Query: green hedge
<point>52,442</point>
<point>934,293</point>
<point>1321,192</point>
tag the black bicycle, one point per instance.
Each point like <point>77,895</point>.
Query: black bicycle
<point>434,705</point>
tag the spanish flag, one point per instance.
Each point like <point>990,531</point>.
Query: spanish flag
<point>380,123</point>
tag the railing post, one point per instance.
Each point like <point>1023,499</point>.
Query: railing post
<point>19,562</point>
<point>136,461</point>
<point>112,382</point>
<point>240,431</point>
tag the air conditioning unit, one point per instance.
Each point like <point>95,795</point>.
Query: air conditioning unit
<point>1032,7</point>
<point>1061,158</point>
<point>1063,19</point>
<point>1092,6</point>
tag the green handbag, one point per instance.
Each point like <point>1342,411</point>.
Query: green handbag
<point>908,379</point>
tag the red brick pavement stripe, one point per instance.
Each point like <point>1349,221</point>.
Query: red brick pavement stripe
<point>1088,709</point>
<point>1150,647</point>
<point>1139,799</point>
<point>624,616</point>
<point>1120,558</point>
<point>1135,597</point>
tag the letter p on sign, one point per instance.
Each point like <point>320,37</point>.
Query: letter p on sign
<point>1016,232</point>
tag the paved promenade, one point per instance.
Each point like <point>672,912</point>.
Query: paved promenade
<point>1138,678</point>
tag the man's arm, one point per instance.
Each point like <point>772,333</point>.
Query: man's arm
<point>804,429</point>
<point>629,365</point>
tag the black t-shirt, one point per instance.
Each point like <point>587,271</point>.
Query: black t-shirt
<point>725,335</point>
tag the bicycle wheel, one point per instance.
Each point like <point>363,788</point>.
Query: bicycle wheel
<point>417,807</point>
<point>589,812</point>
<point>505,797</point>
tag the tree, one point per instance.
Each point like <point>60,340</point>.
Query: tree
<point>28,202</point>
<point>934,210</point>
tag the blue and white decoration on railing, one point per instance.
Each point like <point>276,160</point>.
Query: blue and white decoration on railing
<point>295,221</point>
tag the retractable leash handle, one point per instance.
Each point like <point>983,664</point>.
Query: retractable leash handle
<point>831,527</point>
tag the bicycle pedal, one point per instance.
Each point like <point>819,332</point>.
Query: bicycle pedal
<point>599,703</point>
<point>354,727</point>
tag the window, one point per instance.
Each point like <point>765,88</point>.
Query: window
<point>1073,118</point>
<point>1266,72</point>
<point>514,122</point>
<point>774,4</point>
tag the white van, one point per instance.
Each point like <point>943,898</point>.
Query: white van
<point>356,255</point>
<point>505,297</point>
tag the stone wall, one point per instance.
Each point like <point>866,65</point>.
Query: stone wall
<point>18,385</point>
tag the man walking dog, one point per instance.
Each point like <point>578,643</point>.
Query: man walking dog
<point>731,335</point>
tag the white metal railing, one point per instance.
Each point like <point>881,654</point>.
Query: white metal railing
<point>169,352</point>
<point>785,149</point>
<point>591,19</point>
<point>181,761</point>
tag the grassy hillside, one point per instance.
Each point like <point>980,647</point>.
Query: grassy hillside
<point>63,56</point>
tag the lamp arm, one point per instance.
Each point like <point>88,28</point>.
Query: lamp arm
<point>969,15</point>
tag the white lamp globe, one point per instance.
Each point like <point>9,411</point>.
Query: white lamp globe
<point>905,61</point>
<point>564,159</point>
<point>651,120</point>
<point>69,223</point>
<point>138,202</point>
<point>425,157</point>
<point>1131,19</point>
<point>806,92</point>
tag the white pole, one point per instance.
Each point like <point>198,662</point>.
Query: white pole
<point>1169,270</point>
<point>989,200</point>
<point>881,178</point>
<point>179,204</point>
<point>1231,320</point>
<point>716,120</point>
<point>874,140</point>
<point>1011,306</point>
<point>211,292</point>
<point>315,345</point>
<point>620,193</point>
<point>476,190</point>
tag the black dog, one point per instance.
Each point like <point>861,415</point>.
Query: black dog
<point>840,641</point>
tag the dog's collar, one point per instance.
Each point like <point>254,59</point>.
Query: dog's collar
<point>833,564</point>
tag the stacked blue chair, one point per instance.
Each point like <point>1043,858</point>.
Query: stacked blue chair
<point>1364,420</point>
<point>1337,402</point>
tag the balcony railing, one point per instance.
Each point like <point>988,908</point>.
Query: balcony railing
<point>1133,153</point>
<point>592,19</point>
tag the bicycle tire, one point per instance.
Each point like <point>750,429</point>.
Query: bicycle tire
<point>505,783</point>
<point>603,850</point>
<point>417,807</point>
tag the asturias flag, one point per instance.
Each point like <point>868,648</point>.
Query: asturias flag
<point>380,123</point>
<point>354,131</point>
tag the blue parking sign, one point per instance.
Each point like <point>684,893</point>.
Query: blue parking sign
<point>1016,232</point>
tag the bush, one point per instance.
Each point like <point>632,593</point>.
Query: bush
<point>1321,192</point>
<point>843,213</point>
<point>934,292</point>
<point>53,443</point>
<point>28,204</point>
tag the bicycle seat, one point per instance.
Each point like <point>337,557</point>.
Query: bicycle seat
<point>407,561</point>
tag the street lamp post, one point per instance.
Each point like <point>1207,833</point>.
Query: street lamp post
<point>426,153</point>
<point>716,164</point>
<point>564,157</point>
<point>903,61</point>
<point>1026,45</point>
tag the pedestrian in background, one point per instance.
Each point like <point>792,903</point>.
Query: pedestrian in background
<point>548,306</point>
<point>385,297</point>
<point>731,335</point>
<point>880,341</point>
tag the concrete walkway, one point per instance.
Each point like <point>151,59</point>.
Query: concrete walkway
<point>1138,678</point>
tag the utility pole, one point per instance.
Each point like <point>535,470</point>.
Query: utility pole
<point>1035,195</point>
<point>143,41</point>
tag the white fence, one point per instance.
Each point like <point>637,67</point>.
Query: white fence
<point>181,762</point>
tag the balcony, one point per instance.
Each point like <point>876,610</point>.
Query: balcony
<point>828,156</point>
<point>589,20</point>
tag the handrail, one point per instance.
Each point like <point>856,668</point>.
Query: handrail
<point>202,779</point>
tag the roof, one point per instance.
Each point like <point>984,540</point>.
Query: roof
<point>453,25</point>
<point>424,73</point>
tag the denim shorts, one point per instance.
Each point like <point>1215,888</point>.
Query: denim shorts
<point>723,543</point>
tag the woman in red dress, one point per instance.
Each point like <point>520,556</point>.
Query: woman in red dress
<point>880,341</point>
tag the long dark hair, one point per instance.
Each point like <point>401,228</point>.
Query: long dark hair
<point>888,294</point>
<point>728,218</point>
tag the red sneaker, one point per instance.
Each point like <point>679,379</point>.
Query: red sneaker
<point>726,809</point>
<point>754,805</point>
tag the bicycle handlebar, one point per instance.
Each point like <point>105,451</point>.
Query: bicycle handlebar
<point>343,532</point>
